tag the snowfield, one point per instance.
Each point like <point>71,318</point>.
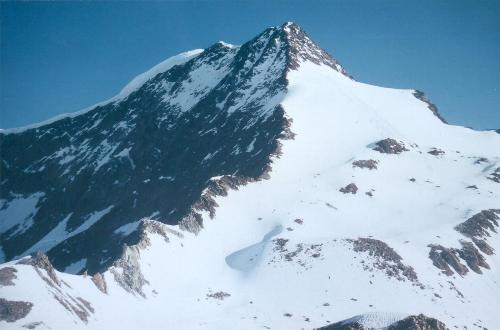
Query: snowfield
<point>293,251</point>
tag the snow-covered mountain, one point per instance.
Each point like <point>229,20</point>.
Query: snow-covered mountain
<point>253,186</point>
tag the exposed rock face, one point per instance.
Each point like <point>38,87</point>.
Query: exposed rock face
<point>478,225</point>
<point>219,295</point>
<point>126,160</point>
<point>475,228</point>
<point>386,258</point>
<point>12,311</point>
<point>390,146</point>
<point>301,253</point>
<point>127,271</point>
<point>483,246</point>
<point>421,96</point>
<point>219,187</point>
<point>443,258</point>
<point>40,261</point>
<point>155,227</point>
<point>7,275</point>
<point>344,326</point>
<point>436,152</point>
<point>369,164</point>
<point>412,322</point>
<point>192,222</point>
<point>419,322</point>
<point>473,257</point>
<point>100,282</point>
<point>495,176</point>
<point>302,48</point>
<point>43,267</point>
<point>351,188</point>
<point>82,311</point>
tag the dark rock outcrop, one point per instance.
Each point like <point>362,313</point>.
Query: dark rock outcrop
<point>219,295</point>
<point>483,246</point>
<point>7,275</point>
<point>11,311</point>
<point>43,267</point>
<point>479,225</point>
<point>151,155</point>
<point>386,258</point>
<point>436,152</point>
<point>370,164</point>
<point>475,228</point>
<point>472,257</point>
<point>40,261</point>
<point>390,146</point>
<point>344,326</point>
<point>412,322</point>
<point>421,96</point>
<point>443,258</point>
<point>302,48</point>
<point>480,160</point>
<point>127,270</point>
<point>100,282</point>
<point>495,175</point>
<point>418,322</point>
<point>351,188</point>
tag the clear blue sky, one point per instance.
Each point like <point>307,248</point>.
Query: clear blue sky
<point>58,57</point>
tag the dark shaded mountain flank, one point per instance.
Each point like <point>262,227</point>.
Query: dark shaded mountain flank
<point>94,176</point>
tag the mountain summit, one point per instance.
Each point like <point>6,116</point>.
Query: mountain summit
<point>150,152</point>
<point>257,185</point>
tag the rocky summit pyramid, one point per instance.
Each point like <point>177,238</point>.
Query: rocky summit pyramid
<point>251,187</point>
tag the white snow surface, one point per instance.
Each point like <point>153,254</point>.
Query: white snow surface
<point>335,120</point>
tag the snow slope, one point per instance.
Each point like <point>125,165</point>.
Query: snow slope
<point>284,253</point>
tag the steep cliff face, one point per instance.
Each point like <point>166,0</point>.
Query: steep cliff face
<point>257,185</point>
<point>78,186</point>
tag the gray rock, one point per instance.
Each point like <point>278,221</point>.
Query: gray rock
<point>483,246</point>
<point>142,155</point>
<point>100,282</point>
<point>472,257</point>
<point>370,164</point>
<point>436,152</point>
<point>495,175</point>
<point>219,295</point>
<point>421,96</point>
<point>192,222</point>
<point>418,322</point>
<point>127,271</point>
<point>390,146</point>
<point>7,275</point>
<point>413,322</point>
<point>443,258</point>
<point>480,224</point>
<point>351,188</point>
<point>40,261</point>
<point>481,160</point>
<point>11,311</point>
<point>386,258</point>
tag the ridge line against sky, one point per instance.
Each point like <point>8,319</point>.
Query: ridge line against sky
<point>59,57</point>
